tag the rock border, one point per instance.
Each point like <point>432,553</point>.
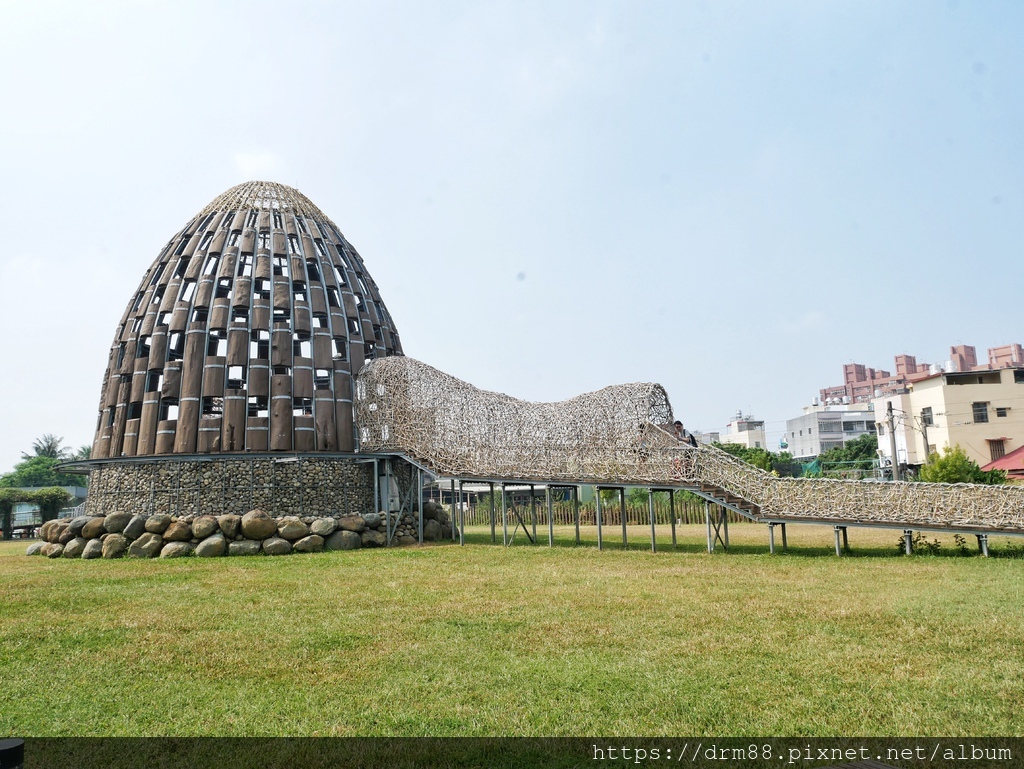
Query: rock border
<point>206,536</point>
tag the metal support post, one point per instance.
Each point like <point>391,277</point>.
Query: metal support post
<point>576,510</point>
<point>462,517</point>
<point>983,544</point>
<point>835,531</point>
<point>504,518</point>
<point>650,511</point>
<point>376,485</point>
<point>846,540</point>
<point>771,538</point>
<point>724,518</point>
<point>419,483</point>
<point>908,541</point>
<point>551,520</point>
<point>453,510</point>
<point>672,513</point>
<point>533,512</point>
<point>707,521</point>
<point>391,527</point>
<point>493,537</point>
<point>785,544</point>
<point>597,515</point>
<point>622,515</point>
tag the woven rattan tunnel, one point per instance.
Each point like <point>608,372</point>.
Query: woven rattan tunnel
<point>244,335</point>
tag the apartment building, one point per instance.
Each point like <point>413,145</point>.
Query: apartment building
<point>862,384</point>
<point>981,410</point>
<point>827,426</point>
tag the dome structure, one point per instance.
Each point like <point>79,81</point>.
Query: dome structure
<point>244,335</point>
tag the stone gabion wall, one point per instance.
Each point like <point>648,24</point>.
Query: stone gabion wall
<point>168,536</point>
<point>300,486</point>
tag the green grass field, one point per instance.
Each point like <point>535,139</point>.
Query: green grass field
<point>526,640</point>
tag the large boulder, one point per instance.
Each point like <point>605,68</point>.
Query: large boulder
<point>244,547</point>
<point>177,549</point>
<point>178,531</point>
<point>157,524</point>
<point>93,549</point>
<point>146,546</point>
<point>343,540</point>
<point>136,527</point>
<point>431,510</point>
<point>203,526</point>
<point>372,520</point>
<point>114,523</point>
<point>66,535</point>
<point>94,528</point>
<point>74,548</point>
<point>44,530</point>
<point>291,528</point>
<point>34,548</point>
<point>256,524</point>
<point>431,531</point>
<point>311,544</point>
<point>212,546</point>
<point>59,527</point>
<point>277,546</point>
<point>373,538</point>
<point>323,527</point>
<point>114,545</point>
<point>352,523</point>
<point>76,524</point>
<point>53,550</point>
<point>230,524</point>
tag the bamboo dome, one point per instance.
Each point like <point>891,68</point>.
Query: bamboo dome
<point>244,335</point>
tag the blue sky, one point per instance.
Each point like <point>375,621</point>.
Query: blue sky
<point>731,199</point>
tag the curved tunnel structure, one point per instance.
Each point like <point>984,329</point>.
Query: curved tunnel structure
<point>614,436</point>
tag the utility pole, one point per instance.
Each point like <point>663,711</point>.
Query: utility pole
<point>924,432</point>
<point>891,423</point>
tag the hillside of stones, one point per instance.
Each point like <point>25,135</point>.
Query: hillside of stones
<point>257,532</point>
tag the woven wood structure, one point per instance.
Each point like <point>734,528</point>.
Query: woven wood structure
<point>244,335</point>
<point>616,436</point>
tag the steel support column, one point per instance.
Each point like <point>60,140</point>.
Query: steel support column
<point>650,511</point>
<point>622,515</point>
<point>672,513</point>
<point>551,521</point>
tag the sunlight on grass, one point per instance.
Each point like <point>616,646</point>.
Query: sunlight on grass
<point>526,640</point>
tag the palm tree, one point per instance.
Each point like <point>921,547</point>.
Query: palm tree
<point>48,446</point>
<point>84,452</point>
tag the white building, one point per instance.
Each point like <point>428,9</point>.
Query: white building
<point>746,431</point>
<point>981,411</point>
<point>827,425</point>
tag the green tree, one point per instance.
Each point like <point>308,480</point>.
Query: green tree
<point>48,446</point>
<point>860,453</point>
<point>39,471</point>
<point>954,466</point>
<point>756,456</point>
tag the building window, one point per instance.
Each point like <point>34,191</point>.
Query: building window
<point>1002,411</point>
<point>980,412</point>
<point>926,417</point>
<point>997,449</point>
<point>1018,376</point>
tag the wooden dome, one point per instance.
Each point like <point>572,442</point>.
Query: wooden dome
<point>244,335</point>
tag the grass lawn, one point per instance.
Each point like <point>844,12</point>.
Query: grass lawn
<point>485,640</point>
